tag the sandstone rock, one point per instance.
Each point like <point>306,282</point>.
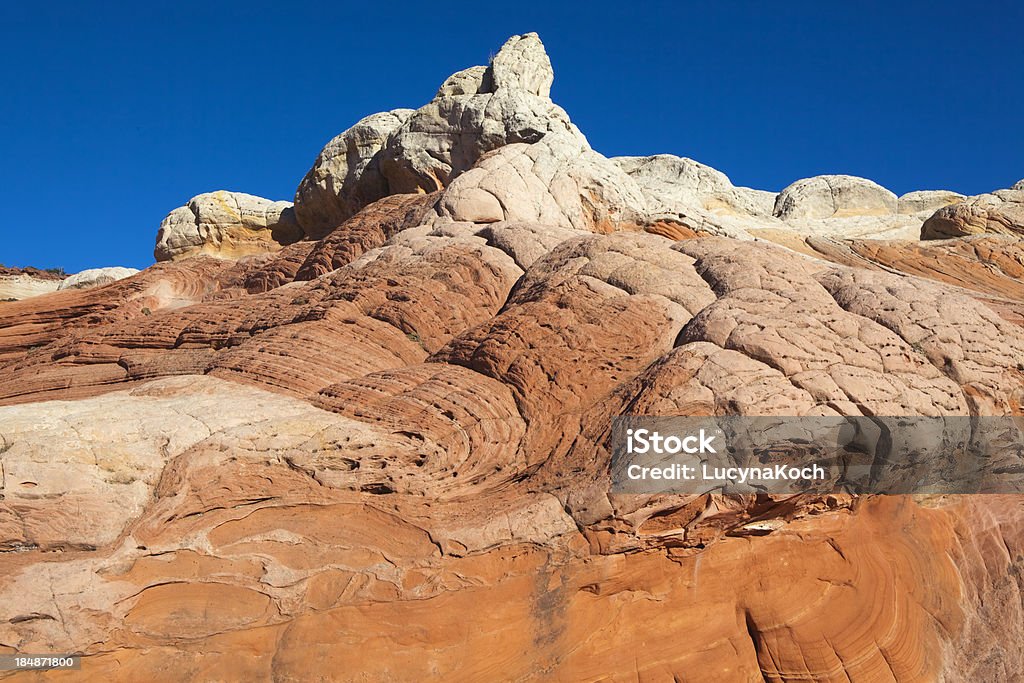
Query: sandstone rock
<point>846,363</point>
<point>684,192</point>
<point>371,227</point>
<point>522,64</point>
<point>1000,213</point>
<point>831,196</point>
<point>386,452</point>
<point>226,225</point>
<point>927,201</point>
<point>86,493</point>
<point>472,81</point>
<point>418,430</point>
<point>964,338</point>
<point>842,207</point>
<point>672,182</point>
<point>687,192</point>
<point>557,181</point>
<point>475,111</point>
<point>990,266</point>
<point>1019,185</point>
<point>22,283</point>
<point>94,277</point>
<point>525,242</point>
<point>447,136</point>
<point>346,175</point>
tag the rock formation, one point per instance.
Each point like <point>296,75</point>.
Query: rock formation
<point>226,225</point>
<point>93,277</point>
<point>381,452</point>
<point>1001,213</point>
<point>22,283</point>
<point>346,175</point>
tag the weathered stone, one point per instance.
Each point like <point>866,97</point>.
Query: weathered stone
<point>472,81</point>
<point>346,175</point>
<point>94,277</point>
<point>673,182</point>
<point>386,452</point>
<point>1000,213</point>
<point>556,181</point>
<point>831,196</point>
<point>22,283</point>
<point>927,201</point>
<point>522,64</point>
<point>226,225</point>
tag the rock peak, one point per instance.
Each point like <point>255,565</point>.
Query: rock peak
<point>522,63</point>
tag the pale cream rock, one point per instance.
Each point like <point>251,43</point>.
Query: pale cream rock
<point>23,286</point>
<point>78,471</point>
<point>525,242</point>
<point>557,181</point>
<point>346,175</point>
<point>672,182</point>
<point>523,64</point>
<point>830,196</point>
<point>472,81</point>
<point>475,111</point>
<point>1001,212</point>
<point>95,277</point>
<point>226,225</point>
<point>449,135</point>
<point>927,201</point>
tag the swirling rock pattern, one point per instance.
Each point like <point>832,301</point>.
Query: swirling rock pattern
<point>381,452</point>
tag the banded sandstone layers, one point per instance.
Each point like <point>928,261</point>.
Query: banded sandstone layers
<point>22,283</point>
<point>381,451</point>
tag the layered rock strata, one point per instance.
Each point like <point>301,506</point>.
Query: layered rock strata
<point>381,452</point>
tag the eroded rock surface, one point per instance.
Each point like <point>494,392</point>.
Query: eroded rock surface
<point>1001,213</point>
<point>346,175</point>
<point>381,452</point>
<point>226,225</point>
<point>22,283</point>
<point>94,277</point>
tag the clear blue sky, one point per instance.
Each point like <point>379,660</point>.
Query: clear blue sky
<point>112,117</point>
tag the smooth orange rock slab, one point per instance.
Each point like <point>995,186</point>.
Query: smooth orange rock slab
<point>195,610</point>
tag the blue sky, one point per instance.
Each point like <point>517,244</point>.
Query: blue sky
<point>111,117</point>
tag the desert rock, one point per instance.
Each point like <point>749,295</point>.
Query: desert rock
<point>474,111</point>
<point>226,225</point>
<point>556,181</point>
<point>673,181</point>
<point>380,444</point>
<point>22,283</point>
<point>927,201</point>
<point>1001,212</point>
<point>346,175</point>
<point>472,81</point>
<point>830,196</point>
<point>94,277</point>
<point>522,64</point>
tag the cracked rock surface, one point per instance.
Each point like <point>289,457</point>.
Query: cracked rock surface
<point>379,449</point>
